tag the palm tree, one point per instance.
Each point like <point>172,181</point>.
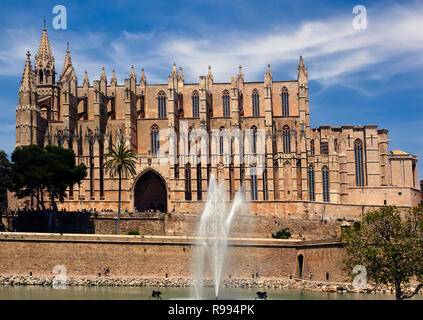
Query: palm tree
<point>121,162</point>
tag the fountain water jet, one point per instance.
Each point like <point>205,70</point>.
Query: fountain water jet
<point>213,231</point>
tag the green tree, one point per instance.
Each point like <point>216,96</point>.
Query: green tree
<point>62,172</point>
<point>120,161</point>
<point>4,179</point>
<point>4,184</point>
<point>50,170</point>
<point>282,234</point>
<point>29,173</point>
<point>389,246</point>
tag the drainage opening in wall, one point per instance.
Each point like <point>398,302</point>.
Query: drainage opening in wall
<point>300,259</point>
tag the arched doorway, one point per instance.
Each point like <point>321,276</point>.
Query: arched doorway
<point>300,266</point>
<point>150,193</point>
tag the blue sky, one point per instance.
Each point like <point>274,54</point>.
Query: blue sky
<point>358,77</point>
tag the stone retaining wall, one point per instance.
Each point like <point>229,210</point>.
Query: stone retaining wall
<point>154,257</point>
<point>245,226</point>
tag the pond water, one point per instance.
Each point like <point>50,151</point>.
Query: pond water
<point>144,293</point>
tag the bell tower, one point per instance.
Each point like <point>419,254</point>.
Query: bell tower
<point>27,111</point>
<point>45,80</point>
<point>44,62</point>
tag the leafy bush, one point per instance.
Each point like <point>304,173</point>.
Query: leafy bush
<point>282,234</point>
<point>133,233</point>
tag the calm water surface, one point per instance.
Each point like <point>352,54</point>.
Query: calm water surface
<point>144,293</point>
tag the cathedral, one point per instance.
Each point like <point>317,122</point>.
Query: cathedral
<point>324,171</point>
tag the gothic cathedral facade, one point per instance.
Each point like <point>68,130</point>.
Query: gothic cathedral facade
<point>332,171</point>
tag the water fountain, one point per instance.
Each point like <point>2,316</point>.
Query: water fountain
<point>212,234</point>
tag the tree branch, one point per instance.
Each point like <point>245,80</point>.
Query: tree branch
<point>412,294</point>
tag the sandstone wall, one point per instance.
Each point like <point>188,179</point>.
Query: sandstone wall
<point>244,226</point>
<point>87,255</point>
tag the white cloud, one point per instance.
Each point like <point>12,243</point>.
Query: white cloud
<point>332,49</point>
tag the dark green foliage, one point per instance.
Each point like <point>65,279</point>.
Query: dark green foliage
<point>282,234</point>
<point>28,171</point>
<point>133,233</point>
<point>389,246</point>
<point>52,169</point>
<point>5,167</point>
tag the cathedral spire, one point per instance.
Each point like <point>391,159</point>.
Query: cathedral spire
<point>27,82</point>
<point>209,78</point>
<point>67,66</point>
<point>44,48</point>
<point>103,82</point>
<point>113,80</point>
<point>133,80</point>
<point>27,111</point>
<point>143,79</point>
<point>268,77</point>
<point>301,64</point>
<point>174,73</point>
<point>240,75</point>
<point>133,76</point>
<point>103,76</point>
<point>302,71</point>
<point>86,81</point>
<point>269,72</point>
<point>209,74</point>
<point>181,75</point>
<point>44,61</point>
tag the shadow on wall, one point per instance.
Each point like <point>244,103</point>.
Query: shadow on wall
<point>52,222</point>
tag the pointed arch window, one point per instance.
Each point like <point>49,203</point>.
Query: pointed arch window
<point>195,104</point>
<point>161,101</point>
<point>60,138</point>
<point>155,141</point>
<point>256,105</point>
<point>285,102</point>
<point>286,139</point>
<point>265,193</point>
<point>312,147</point>
<point>199,182</point>
<point>311,190</point>
<point>90,138</point>
<point>226,104</point>
<point>254,193</point>
<point>253,140</point>
<point>325,178</point>
<point>187,182</point>
<point>359,168</point>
